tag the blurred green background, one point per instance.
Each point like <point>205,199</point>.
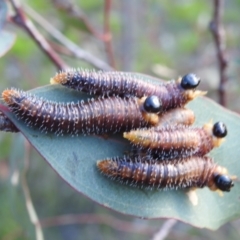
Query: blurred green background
<point>160,38</point>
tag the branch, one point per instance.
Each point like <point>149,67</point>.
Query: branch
<point>164,230</point>
<point>107,32</point>
<point>74,11</point>
<point>29,204</point>
<point>219,38</point>
<point>96,219</point>
<point>21,20</point>
<point>75,50</point>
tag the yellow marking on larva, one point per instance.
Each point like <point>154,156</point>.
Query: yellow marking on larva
<point>191,95</point>
<point>7,96</point>
<point>60,78</point>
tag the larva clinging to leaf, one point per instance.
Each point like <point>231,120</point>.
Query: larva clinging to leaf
<point>192,172</point>
<point>103,115</point>
<point>172,94</point>
<point>179,141</point>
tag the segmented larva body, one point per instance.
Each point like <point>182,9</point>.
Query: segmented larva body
<point>172,94</point>
<point>6,124</point>
<point>178,141</point>
<point>177,116</point>
<point>193,172</point>
<point>104,115</point>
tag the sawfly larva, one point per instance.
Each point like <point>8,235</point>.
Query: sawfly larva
<point>103,115</point>
<point>172,94</point>
<point>178,141</point>
<point>192,172</point>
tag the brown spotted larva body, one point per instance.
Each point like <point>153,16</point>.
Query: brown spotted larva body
<point>103,115</point>
<point>172,94</point>
<point>193,172</point>
<point>177,116</point>
<point>178,141</point>
<point>6,124</point>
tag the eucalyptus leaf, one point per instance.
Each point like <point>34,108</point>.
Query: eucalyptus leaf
<point>7,40</point>
<point>3,13</point>
<point>74,159</point>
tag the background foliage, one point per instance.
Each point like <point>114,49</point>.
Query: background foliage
<point>153,37</point>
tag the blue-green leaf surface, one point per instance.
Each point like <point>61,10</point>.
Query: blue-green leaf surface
<point>74,159</point>
<point>3,13</point>
<point>7,40</point>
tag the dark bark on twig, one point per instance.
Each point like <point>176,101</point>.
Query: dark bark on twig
<point>218,33</point>
<point>21,20</point>
<point>74,11</point>
<point>73,48</point>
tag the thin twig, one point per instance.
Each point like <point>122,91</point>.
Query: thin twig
<point>76,51</point>
<point>107,32</point>
<point>21,20</point>
<point>96,219</point>
<point>73,10</point>
<point>164,230</point>
<point>218,33</point>
<point>30,208</point>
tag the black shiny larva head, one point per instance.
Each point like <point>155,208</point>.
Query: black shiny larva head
<point>152,104</point>
<point>219,130</point>
<point>190,81</point>
<point>223,182</point>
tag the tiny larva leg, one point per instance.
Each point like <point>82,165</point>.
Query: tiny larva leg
<point>186,173</point>
<point>172,94</point>
<point>179,141</point>
<point>192,196</point>
<point>103,115</point>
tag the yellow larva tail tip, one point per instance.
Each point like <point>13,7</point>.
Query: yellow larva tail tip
<point>199,93</point>
<point>7,95</point>
<point>219,192</point>
<point>132,136</point>
<point>60,78</point>
<point>53,81</point>
<point>209,124</point>
<point>98,162</point>
<point>234,177</point>
<point>194,94</point>
<point>102,164</point>
<point>126,135</point>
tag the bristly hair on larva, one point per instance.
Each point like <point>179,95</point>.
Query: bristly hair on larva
<point>192,172</point>
<point>178,141</point>
<point>97,116</point>
<point>172,94</point>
